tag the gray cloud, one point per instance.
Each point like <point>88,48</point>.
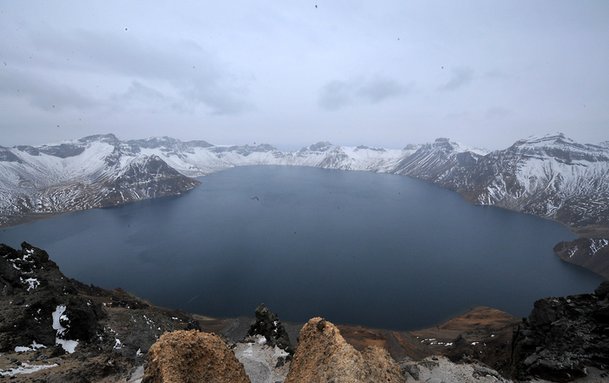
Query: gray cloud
<point>195,74</point>
<point>141,96</point>
<point>459,78</point>
<point>42,93</point>
<point>233,72</point>
<point>381,89</point>
<point>497,112</point>
<point>337,94</point>
<point>140,92</point>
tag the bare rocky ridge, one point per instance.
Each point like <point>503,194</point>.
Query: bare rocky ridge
<point>192,356</point>
<point>563,338</point>
<point>323,355</point>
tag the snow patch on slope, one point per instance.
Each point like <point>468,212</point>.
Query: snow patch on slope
<point>58,316</point>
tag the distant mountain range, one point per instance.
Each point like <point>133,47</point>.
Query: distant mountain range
<point>550,176</point>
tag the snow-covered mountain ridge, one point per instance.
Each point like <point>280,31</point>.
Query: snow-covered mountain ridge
<point>101,170</point>
<point>550,176</point>
<point>95,171</point>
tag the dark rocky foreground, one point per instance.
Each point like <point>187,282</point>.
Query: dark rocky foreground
<point>89,333</point>
<point>55,329</point>
<point>564,337</point>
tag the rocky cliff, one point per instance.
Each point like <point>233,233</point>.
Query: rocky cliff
<point>192,356</point>
<point>323,355</point>
<point>64,331</point>
<point>564,338</point>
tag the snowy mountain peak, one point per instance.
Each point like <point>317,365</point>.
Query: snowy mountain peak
<point>551,175</point>
<point>411,147</point>
<point>155,142</point>
<point>445,144</point>
<point>559,147</point>
<point>545,140</point>
<point>108,138</point>
<point>243,150</point>
<point>321,146</point>
<point>364,147</point>
<point>448,146</point>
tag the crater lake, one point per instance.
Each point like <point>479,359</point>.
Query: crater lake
<point>354,247</point>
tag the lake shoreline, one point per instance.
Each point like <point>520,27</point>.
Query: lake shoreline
<point>588,231</point>
<point>375,226</point>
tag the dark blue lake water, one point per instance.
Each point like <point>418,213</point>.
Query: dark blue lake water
<point>354,247</point>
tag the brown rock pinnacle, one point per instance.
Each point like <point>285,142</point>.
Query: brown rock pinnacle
<point>192,356</point>
<point>323,355</point>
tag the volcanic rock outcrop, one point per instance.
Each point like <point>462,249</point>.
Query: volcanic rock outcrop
<point>268,325</point>
<point>39,305</point>
<point>192,356</point>
<point>56,329</point>
<point>563,337</point>
<point>323,355</point>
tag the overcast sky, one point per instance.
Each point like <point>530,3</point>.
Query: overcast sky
<point>292,72</point>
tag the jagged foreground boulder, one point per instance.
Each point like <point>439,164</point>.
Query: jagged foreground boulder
<point>270,327</point>
<point>564,337</point>
<point>323,355</point>
<point>192,356</point>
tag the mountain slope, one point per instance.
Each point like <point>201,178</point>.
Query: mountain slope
<point>193,160</point>
<point>550,176</point>
<point>443,162</point>
<point>95,171</point>
<point>101,170</point>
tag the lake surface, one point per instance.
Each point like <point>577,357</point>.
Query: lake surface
<point>354,247</point>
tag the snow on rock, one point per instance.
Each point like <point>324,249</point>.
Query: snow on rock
<point>69,346</point>
<point>31,283</point>
<point>440,369</point>
<point>597,244</point>
<point>33,347</point>
<point>26,368</point>
<point>262,363</point>
<point>58,316</point>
